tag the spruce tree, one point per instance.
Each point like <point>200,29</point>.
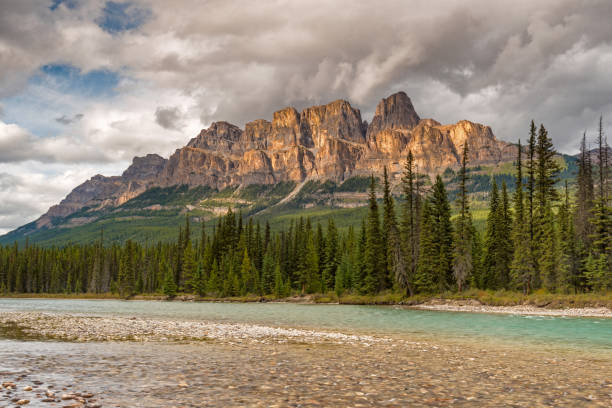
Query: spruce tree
<point>375,275</point>
<point>267,273</point>
<point>410,226</point>
<point>425,277</point>
<point>602,220</point>
<point>126,271</point>
<point>169,286</point>
<point>531,176</point>
<point>545,238</point>
<point>360,272</point>
<point>436,256</point>
<point>279,287</point>
<point>246,274</point>
<point>568,255</point>
<point>331,257</point>
<point>188,283</point>
<point>584,196</point>
<point>497,256</point>
<point>521,268</point>
<point>311,266</point>
<point>390,233</point>
<point>214,285</point>
<point>462,248</point>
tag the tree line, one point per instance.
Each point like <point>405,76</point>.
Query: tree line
<point>541,236</point>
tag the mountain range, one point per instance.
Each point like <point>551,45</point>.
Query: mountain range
<point>321,143</point>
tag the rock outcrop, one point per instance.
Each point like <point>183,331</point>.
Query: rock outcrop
<point>325,142</point>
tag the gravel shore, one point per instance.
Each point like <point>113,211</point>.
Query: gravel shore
<point>80,328</point>
<point>526,310</point>
<point>134,361</point>
<point>193,363</point>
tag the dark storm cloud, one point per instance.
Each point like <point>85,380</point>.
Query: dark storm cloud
<point>502,63</point>
<point>168,118</point>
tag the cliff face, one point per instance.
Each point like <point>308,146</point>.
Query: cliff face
<point>325,142</point>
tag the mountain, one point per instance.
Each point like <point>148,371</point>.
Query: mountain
<point>326,143</point>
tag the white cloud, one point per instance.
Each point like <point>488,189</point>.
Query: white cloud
<point>26,191</point>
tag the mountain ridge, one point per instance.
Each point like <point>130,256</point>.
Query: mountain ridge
<point>323,142</point>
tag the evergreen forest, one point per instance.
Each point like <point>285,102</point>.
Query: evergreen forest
<point>542,236</point>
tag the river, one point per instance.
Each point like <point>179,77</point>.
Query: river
<point>429,358</point>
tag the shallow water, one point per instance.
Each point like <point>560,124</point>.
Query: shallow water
<point>593,334</point>
<point>468,359</point>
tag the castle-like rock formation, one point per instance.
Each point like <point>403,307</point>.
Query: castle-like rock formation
<point>324,142</point>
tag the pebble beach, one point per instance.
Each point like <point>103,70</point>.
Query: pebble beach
<point>136,361</point>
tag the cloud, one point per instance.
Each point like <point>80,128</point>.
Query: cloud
<point>65,120</point>
<point>26,193</point>
<point>148,74</point>
<point>168,118</point>
<point>238,61</point>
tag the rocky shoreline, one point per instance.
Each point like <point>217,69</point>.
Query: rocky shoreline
<point>134,361</point>
<point>525,310</point>
<point>80,328</point>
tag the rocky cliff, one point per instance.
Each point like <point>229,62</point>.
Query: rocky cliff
<point>322,142</point>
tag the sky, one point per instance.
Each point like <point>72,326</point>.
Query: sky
<point>87,85</point>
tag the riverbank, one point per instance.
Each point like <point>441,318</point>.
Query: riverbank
<point>90,328</point>
<point>144,361</point>
<point>525,310</point>
<point>473,301</point>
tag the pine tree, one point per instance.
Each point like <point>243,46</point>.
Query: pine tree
<point>531,175</point>
<point>545,239</point>
<point>331,257</point>
<point>585,195</point>
<point>311,266</point>
<point>424,280</point>
<point>214,285</point>
<point>568,256</point>
<point>498,254</point>
<point>462,249</point>
<point>246,274</point>
<point>169,287</point>
<point>126,272</point>
<point>188,283</point>
<point>521,268</point>
<point>279,287</point>
<point>602,220</point>
<point>390,233</point>
<point>436,256</point>
<point>374,261</point>
<point>267,273</point>
<point>406,266</point>
<point>359,278</point>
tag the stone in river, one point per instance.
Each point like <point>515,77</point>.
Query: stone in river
<point>23,402</point>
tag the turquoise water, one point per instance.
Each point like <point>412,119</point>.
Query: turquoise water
<point>582,333</point>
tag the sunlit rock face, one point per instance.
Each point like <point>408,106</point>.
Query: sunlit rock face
<point>329,141</point>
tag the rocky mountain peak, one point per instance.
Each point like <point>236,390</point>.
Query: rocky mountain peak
<point>145,167</point>
<point>220,136</point>
<point>328,141</point>
<point>394,112</point>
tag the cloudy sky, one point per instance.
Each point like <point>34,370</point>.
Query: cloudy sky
<point>86,85</point>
